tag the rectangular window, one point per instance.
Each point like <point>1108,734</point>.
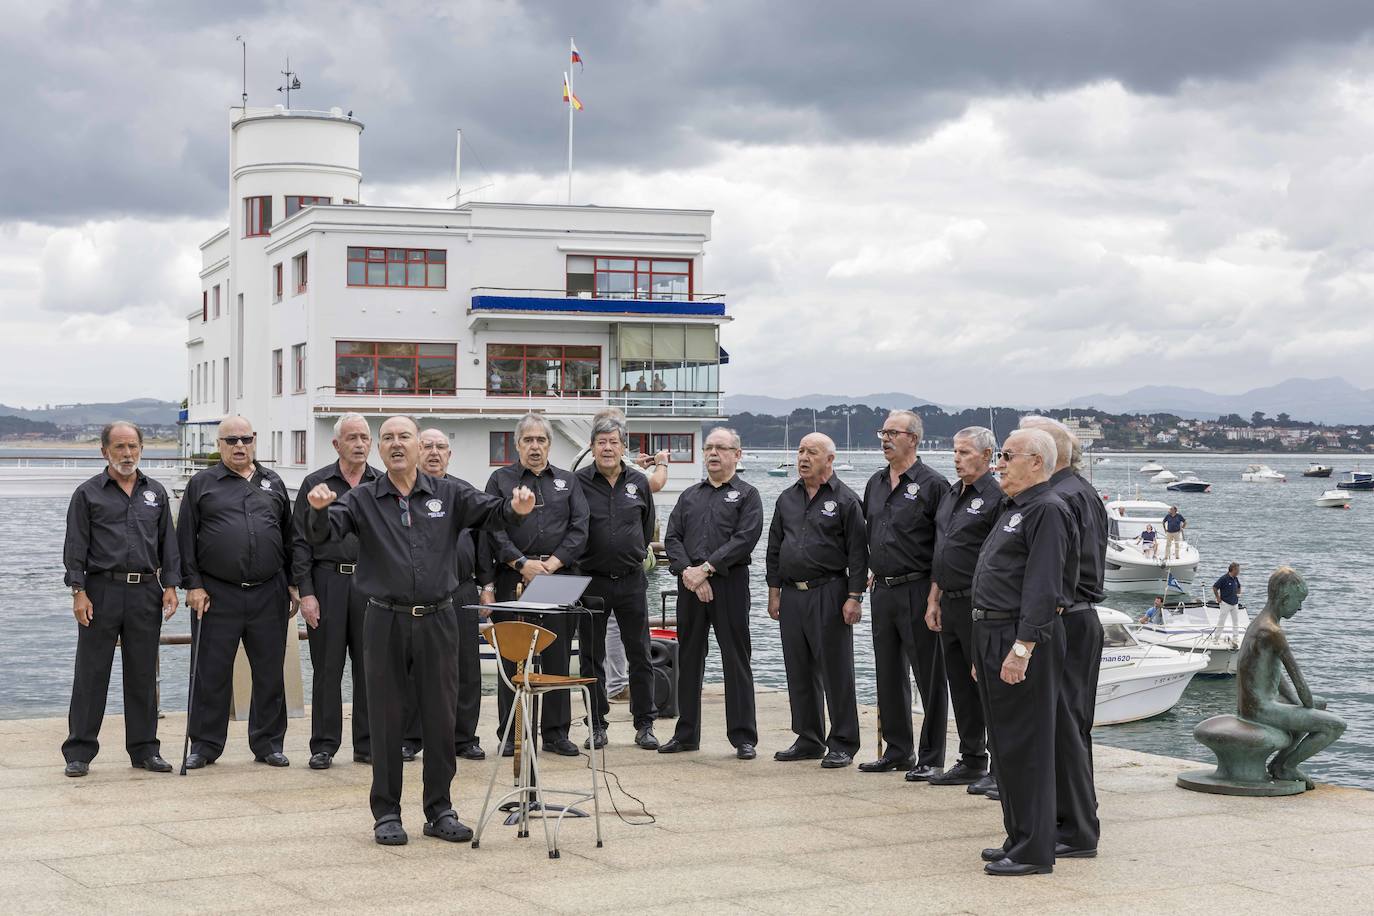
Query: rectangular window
<point>413,268</point>
<point>298,446</point>
<point>679,446</point>
<point>522,370</point>
<point>299,271</point>
<point>276,282</point>
<point>214,299</point>
<point>276,446</point>
<point>631,278</point>
<point>276,372</point>
<point>225,405</point>
<point>502,449</point>
<point>668,364</point>
<point>257,216</point>
<point>205,305</point>
<point>298,368</point>
<point>371,367</point>
<point>295,203</point>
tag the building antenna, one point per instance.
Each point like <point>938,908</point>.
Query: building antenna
<point>291,81</point>
<point>239,39</point>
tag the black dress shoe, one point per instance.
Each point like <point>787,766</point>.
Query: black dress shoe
<point>677,746</point>
<point>408,753</point>
<point>646,738</point>
<point>197,761</point>
<point>921,773</point>
<point>1006,868</point>
<point>836,760</point>
<point>994,853</point>
<point>154,764</point>
<point>886,764</point>
<point>76,768</point>
<point>743,752</point>
<point>508,749</point>
<point>982,785</point>
<point>321,761</point>
<point>993,794</point>
<point>961,774</point>
<point>561,746</point>
<point>1065,851</point>
<point>472,752</point>
<point>361,758</point>
<point>597,737</point>
<point>274,759</point>
<point>798,752</point>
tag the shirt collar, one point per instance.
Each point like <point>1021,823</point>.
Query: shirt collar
<point>1030,494</point>
<point>369,472</point>
<point>140,479</point>
<point>423,484</point>
<point>223,470</point>
<point>706,482</point>
<point>1060,474</point>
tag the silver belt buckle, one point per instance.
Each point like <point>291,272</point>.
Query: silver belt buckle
<point>415,610</point>
<point>133,578</point>
<point>801,586</point>
<point>347,568</point>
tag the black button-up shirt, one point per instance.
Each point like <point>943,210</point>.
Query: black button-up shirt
<point>966,515</point>
<point>1021,566</point>
<point>901,522</point>
<point>558,525</point>
<point>621,522</point>
<point>415,564</point>
<point>233,528</point>
<point>817,537</point>
<point>713,524</point>
<point>1090,515</point>
<point>304,555</point>
<point>110,532</point>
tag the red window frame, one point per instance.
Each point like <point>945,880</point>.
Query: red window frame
<point>653,443</point>
<point>376,352</point>
<point>298,368</point>
<point>525,358</point>
<point>204,305</point>
<point>501,449</point>
<point>643,269</point>
<point>257,216</point>
<point>429,260</point>
<point>298,202</point>
<point>276,282</point>
<point>298,446</point>
<point>277,370</point>
<point>300,268</point>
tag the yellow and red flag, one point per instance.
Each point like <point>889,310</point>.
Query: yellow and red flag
<point>568,96</point>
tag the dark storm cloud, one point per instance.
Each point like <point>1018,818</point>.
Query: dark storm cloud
<point>120,109</point>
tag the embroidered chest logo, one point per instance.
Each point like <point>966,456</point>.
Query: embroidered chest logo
<point>732,496</point>
<point>631,490</point>
<point>265,484</point>
<point>1012,522</point>
<point>150,499</point>
<point>435,507</point>
<point>975,507</point>
<point>560,484</point>
<point>912,490</point>
<point>828,508</point>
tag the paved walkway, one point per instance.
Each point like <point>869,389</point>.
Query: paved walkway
<point>730,837</point>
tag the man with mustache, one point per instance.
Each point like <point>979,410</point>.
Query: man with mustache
<point>235,533</point>
<point>408,526</point>
<point>123,569</point>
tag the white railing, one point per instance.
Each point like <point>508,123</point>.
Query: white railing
<point>494,401</point>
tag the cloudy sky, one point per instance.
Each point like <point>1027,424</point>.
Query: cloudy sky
<point>1007,201</point>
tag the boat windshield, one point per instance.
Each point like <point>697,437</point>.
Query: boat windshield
<point>1116,636</point>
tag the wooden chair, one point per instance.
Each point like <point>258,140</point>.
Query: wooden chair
<point>518,642</point>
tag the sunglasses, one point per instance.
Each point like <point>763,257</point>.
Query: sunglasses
<point>1007,456</point>
<point>405,511</point>
<point>235,440</point>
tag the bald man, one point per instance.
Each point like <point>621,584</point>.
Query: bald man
<point>234,531</point>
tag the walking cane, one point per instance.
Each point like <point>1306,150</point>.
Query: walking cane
<point>196,626</point>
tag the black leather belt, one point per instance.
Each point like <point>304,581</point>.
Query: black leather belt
<point>891,581</point>
<point>241,584</point>
<point>955,592</point>
<point>980,614</point>
<point>128,578</point>
<point>614,577</point>
<point>810,583</point>
<point>414,610</point>
<point>343,569</point>
<point>1077,608</point>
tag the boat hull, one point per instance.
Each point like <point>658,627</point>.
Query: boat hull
<point>1189,486</point>
<point>1143,687</point>
<point>1130,570</point>
<point>1324,472</point>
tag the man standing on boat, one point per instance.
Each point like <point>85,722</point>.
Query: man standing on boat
<point>1018,588</point>
<point>408,525</point>
<point>234,531</point>
<point>711,535</point>
<point>965,517</point>
<point>547,541</point>
<point>1075,794</point>
<point>332,608</point>
<point>900,505</point>
<point>123,569</point>
<point>817,573</point>
<point>1227,592</point>
<point>1173,532</point>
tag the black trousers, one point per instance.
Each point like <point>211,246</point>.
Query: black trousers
<point>728,614</point>
<point>400,647</point>
<point>131,614</point>
<point>1073,730</point>
<point>818,654</point>
<point>1021,734</point>
<point>339,637</point>
<point>904,647</point>
<point>469,661</point>
<point>258,617</point>
<point>956,640</point>
<point>555,710</point>
<point>625,598</point>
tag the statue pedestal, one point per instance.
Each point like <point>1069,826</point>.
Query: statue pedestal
<point>1209,781</point>
<point>1243,748</point>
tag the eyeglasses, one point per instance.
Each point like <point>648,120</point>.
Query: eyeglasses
<point>893,433</point>
<point>434,447</point>
<point>235,440</point>
<point>405,511</point>
<point>718,448</point>
<point>1007,456</point>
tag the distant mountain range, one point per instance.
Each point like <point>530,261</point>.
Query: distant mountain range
<point>777,407</point>
<point>148,411</point>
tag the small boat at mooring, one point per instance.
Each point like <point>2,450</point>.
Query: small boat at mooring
<point>1189,483</point>
<point>1332,499</point>
<point>1317,470</point>
<point>1357,480</point>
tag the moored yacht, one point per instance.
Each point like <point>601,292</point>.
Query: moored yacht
<point>1192,626</point>
<point>1357,480</point>
<point>1151,467</point>
<point>1131,565</point>
<point>1261,473</point>
<point>1189,483</point>
<point>1164,476</point>
<point>1332,499</point>
<point>1317,470</point>
<point>1139,681</point>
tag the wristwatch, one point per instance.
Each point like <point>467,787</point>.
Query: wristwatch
<point>76,590</point>
<point>708,568</point>
<point>859,597</point>
<point>1020,651</point>
<point>520,563</point>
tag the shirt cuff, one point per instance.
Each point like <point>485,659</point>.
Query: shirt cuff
<point>1029,632</point>
<point>306,587</point>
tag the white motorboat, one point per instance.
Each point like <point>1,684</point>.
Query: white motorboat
<point>1137,681</point>
<point>1261,473</point>
<point>740,468</point>
<point>1164,476</point>
<point>1192,626</point>
<point>1130,566</point>
<point>844,466</point>
<point>1151,467</point>
<point>1333,499</point>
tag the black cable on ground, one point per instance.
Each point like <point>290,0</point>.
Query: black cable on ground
<point>610,796</point>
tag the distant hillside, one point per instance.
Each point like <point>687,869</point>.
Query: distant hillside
<point>1325,400</point>
<point>778,407</point>
<point>18,426</point>
<point>145,411</point>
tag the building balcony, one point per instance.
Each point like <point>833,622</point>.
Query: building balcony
<point>545,303</point>
<point>332,401</point>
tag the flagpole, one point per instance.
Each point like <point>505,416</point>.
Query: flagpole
<point>572,46</point>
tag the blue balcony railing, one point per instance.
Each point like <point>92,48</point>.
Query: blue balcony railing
<point>554,301</point>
